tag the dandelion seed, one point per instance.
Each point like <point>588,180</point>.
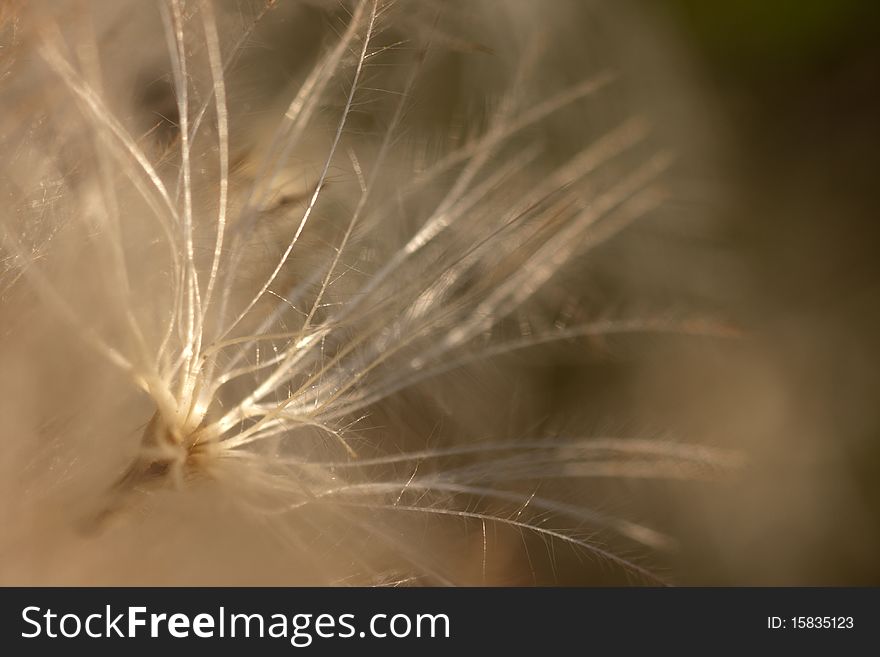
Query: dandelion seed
<point>251,332</point>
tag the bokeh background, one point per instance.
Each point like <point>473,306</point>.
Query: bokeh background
<point>793,88</point>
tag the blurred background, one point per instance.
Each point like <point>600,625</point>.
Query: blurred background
<point>793,87</point>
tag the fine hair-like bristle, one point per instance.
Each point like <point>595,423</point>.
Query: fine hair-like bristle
<point>264,269</point>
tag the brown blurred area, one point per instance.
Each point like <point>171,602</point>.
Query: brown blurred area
<point>774,224</point>
<point>795,88</point>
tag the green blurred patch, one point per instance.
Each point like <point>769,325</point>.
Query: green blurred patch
<point>776,33</point>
